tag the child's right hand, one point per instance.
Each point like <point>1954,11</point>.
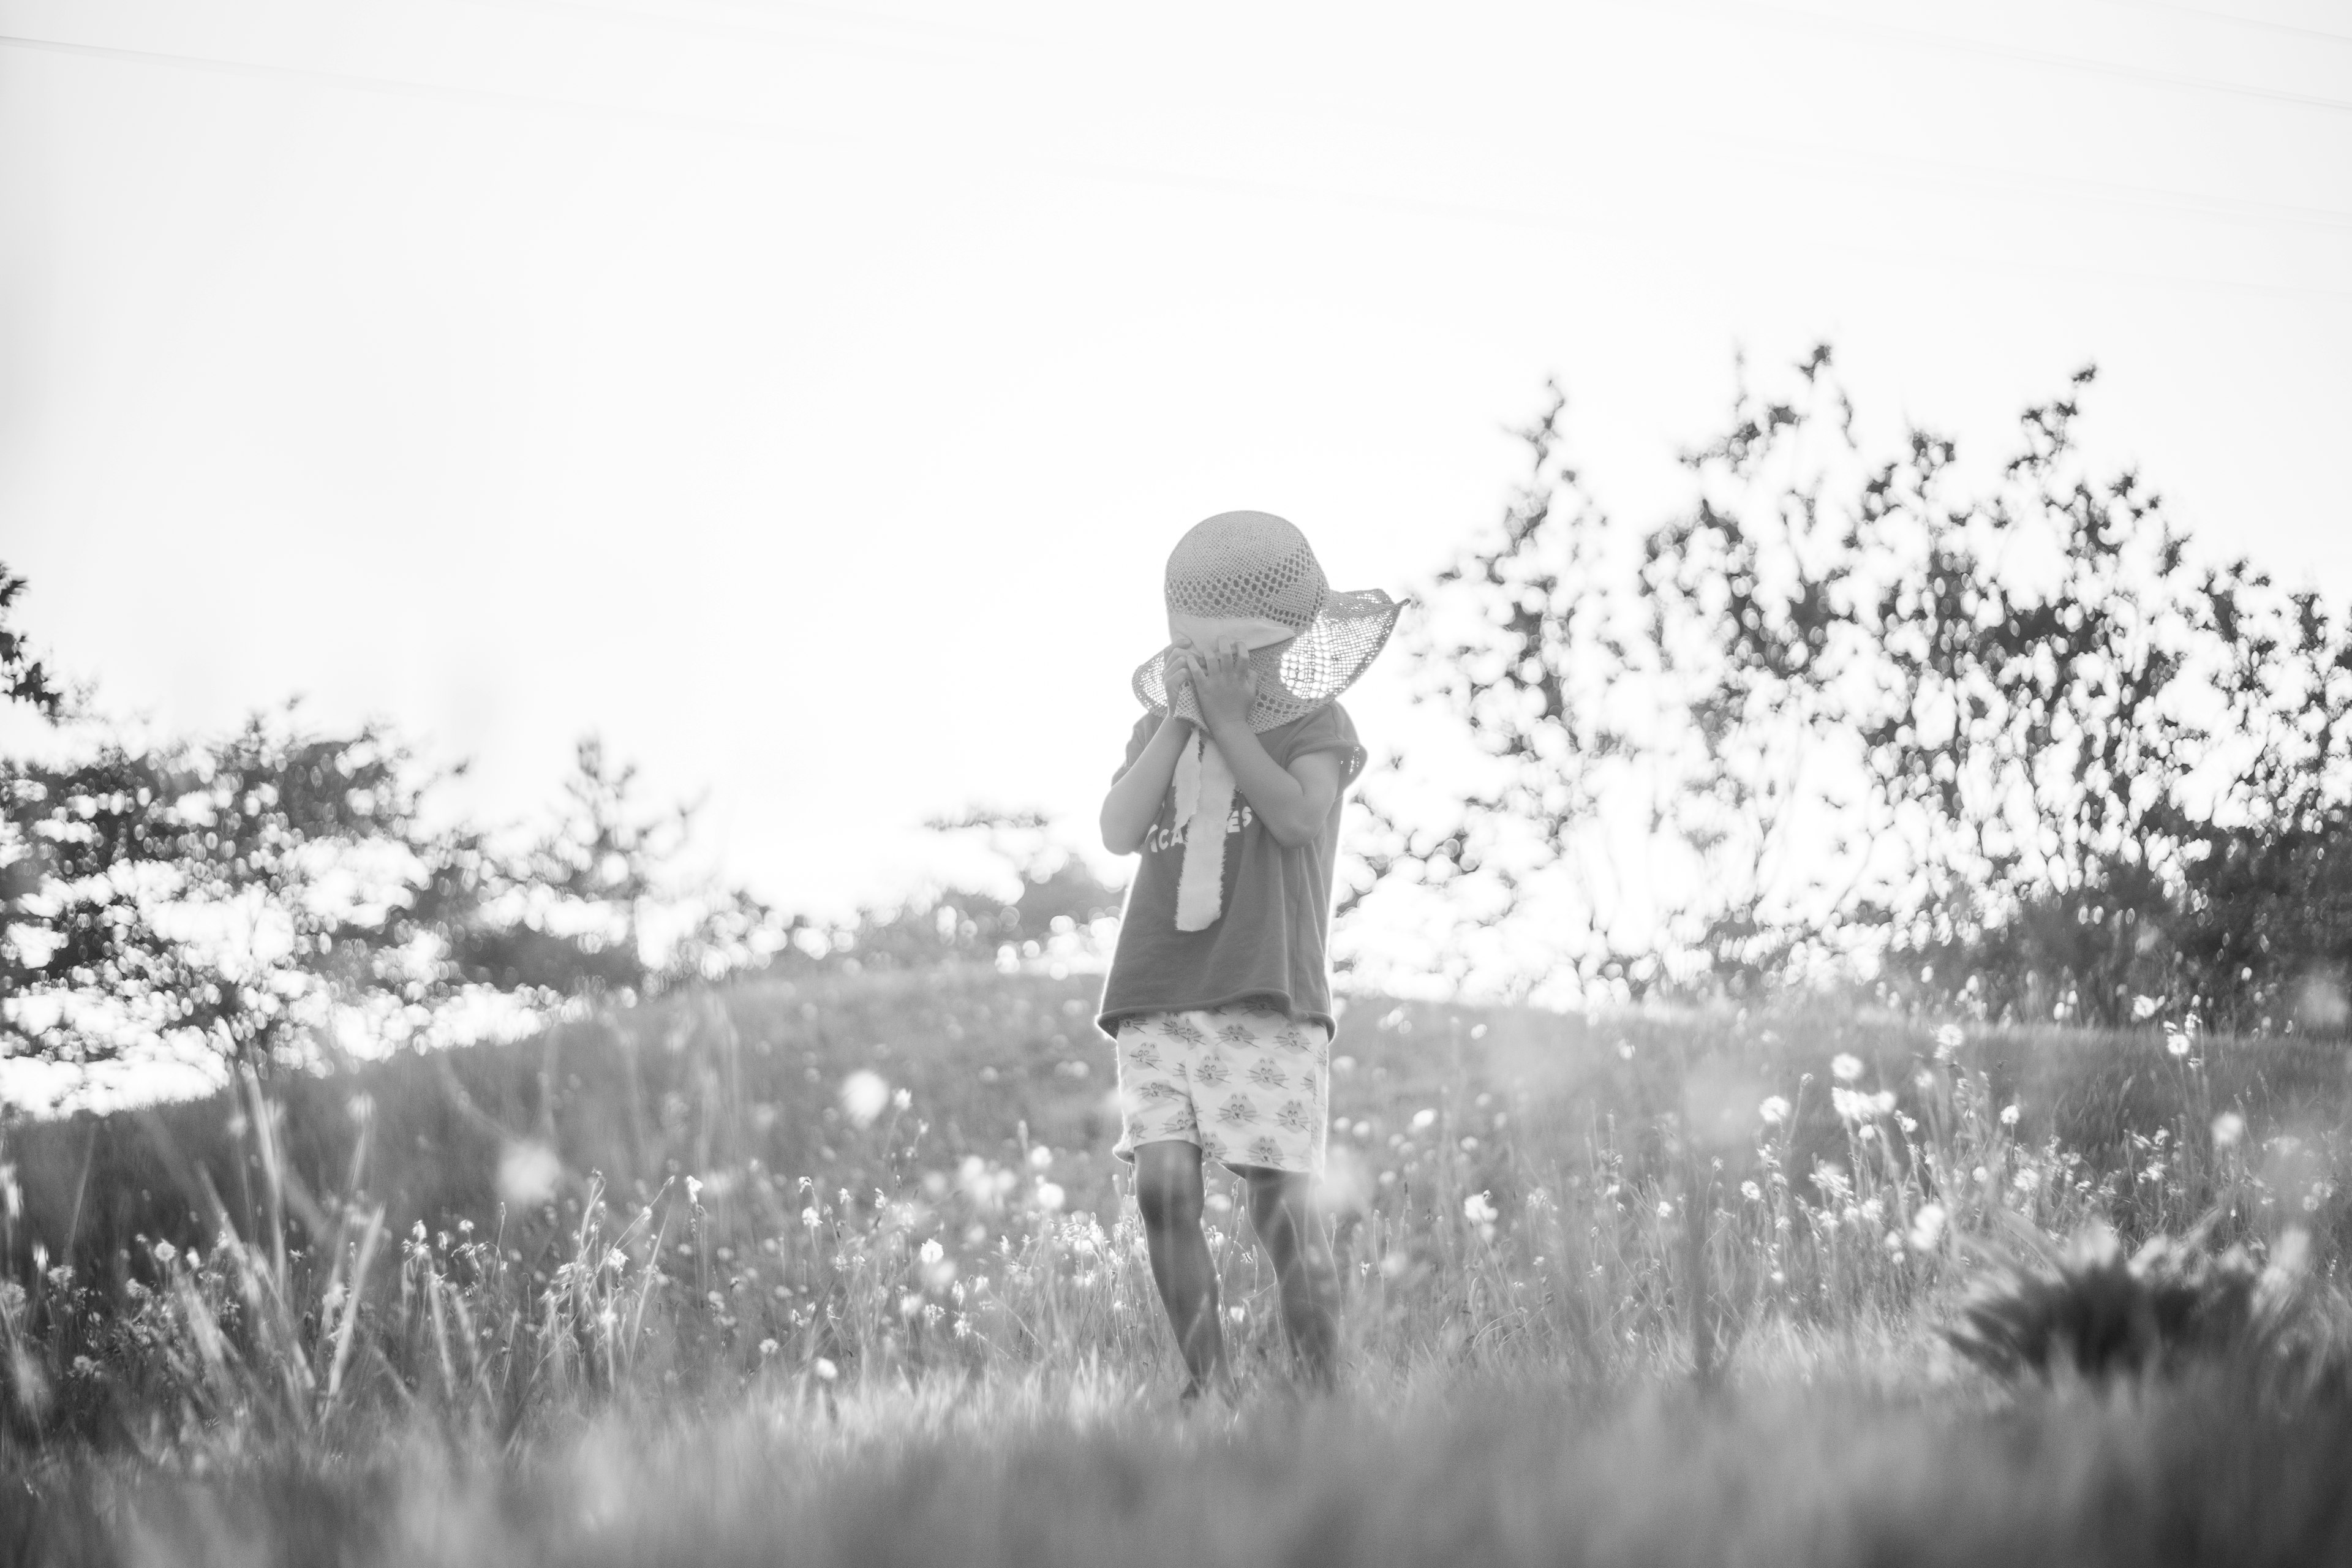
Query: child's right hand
<point>1176,675</point>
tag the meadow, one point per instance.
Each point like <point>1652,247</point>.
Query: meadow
<point>839,1269</point>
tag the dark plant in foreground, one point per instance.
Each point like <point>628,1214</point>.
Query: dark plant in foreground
<point>2091,1309</point>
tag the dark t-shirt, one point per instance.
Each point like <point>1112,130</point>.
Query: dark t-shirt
<point>1267,946</point>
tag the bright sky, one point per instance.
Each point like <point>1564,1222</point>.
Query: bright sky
<point>806,395</point>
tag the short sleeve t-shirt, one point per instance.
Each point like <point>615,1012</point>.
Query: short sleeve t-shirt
<point>1266,945</point>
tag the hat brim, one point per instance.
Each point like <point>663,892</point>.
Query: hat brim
<point>1298,677</point>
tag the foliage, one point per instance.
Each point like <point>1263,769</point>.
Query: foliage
<point>2095,1311</point>
<point>1057,911</point>
<point>593,905</point>
<point>23,677</point>
<point>2009,741</point>
<point>219,897</point>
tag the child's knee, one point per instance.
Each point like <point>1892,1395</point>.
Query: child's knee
<point>1167,1193</point>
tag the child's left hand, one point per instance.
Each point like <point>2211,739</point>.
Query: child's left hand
<point>1223,683</point>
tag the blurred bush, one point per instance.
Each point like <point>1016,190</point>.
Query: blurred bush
<point>2000,734</point>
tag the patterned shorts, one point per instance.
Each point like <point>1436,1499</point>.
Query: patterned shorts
<point>1250,1087</point>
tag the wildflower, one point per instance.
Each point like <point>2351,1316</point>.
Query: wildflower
<point>1421,1120</point>
<point>811,1219</point>
<point>1948,1040</point>
<point>1774,1110</point>
<point>2227,1129</point>
<point>930,1252</point>
<point>824,1369</point>
<point>1049,1195</point>
<point>767,1348</point>
<point>1665,1209</point>
<point>2144,1008</point>
<point>902,1098</point>
<point>1478,1208</point>
<point>864,1094</point>
<point>1040,1157</point>
<point>1625,1050</point>
<point>2027,1180</point>
<point>1751,1192</point>
<point>2176,1041</point>
<point>1845,1067</point>
<point>1927,1226</point>
<point>694,1191</point>
<point>1237,1315</point>
<point>2008,1114</point>
<point>165,1252</point>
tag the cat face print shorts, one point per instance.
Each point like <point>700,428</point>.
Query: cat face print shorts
<point>1249,1086</point>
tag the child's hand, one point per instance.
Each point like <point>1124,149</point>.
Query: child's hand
<point>1176,674</point>
<point>1224,685</point>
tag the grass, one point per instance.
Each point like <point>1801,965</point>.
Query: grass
<point>678,1283</point>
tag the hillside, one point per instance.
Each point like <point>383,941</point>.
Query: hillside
<point>741,1087</point>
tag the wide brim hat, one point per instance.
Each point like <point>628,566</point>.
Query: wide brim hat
<point>1252,575</point>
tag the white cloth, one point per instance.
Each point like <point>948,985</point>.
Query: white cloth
<point>1204,807</point>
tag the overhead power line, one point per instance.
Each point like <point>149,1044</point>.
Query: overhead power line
<point>1095,169</point>
<point>1921,38</point>
<point>2261,23</point>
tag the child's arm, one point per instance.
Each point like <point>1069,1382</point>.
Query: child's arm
<point>1134,799</point>
<point>1293,803</point>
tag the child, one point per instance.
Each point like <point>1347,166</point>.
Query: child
<point>1218,995</point>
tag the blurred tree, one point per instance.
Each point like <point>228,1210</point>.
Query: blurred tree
<point>2015,746</point>
<point>22,677</point>
<point>1058,895</point>
<point>595,904</point>
<point>221,898</point>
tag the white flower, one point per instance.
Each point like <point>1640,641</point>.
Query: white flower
<point>2008,1114</point>
<point>694,1191</point>
<point>1478,1208</point>
<point>824,1369</point>
<point>1948,1040</point>
<point>528,1172</point>
<point>1847,1066</point>
<point>864,1095</point>
<point>903,1099</point>
<point>1423,1119</point>
<point>1774,1110</point>
<point>1751,1192</point>
<point>2144,1008</point>
<point>930,1252</point>
<point>811,1219</point>
<point>1665,1209</point>
<point>1040,1157</point>
<point>767,1347</point>
<point>1049,1195</point>
<point>1927,1226</point>
<point>2227,1129</point>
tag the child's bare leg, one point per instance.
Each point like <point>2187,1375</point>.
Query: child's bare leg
<point>1168,1194</point>
<point>1282,1212</point>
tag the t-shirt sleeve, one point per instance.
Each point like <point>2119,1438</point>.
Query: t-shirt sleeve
<point>1329,729</point>
<point>1145,728</point>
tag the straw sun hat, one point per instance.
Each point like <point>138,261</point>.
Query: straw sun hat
<point>1252,575</point>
